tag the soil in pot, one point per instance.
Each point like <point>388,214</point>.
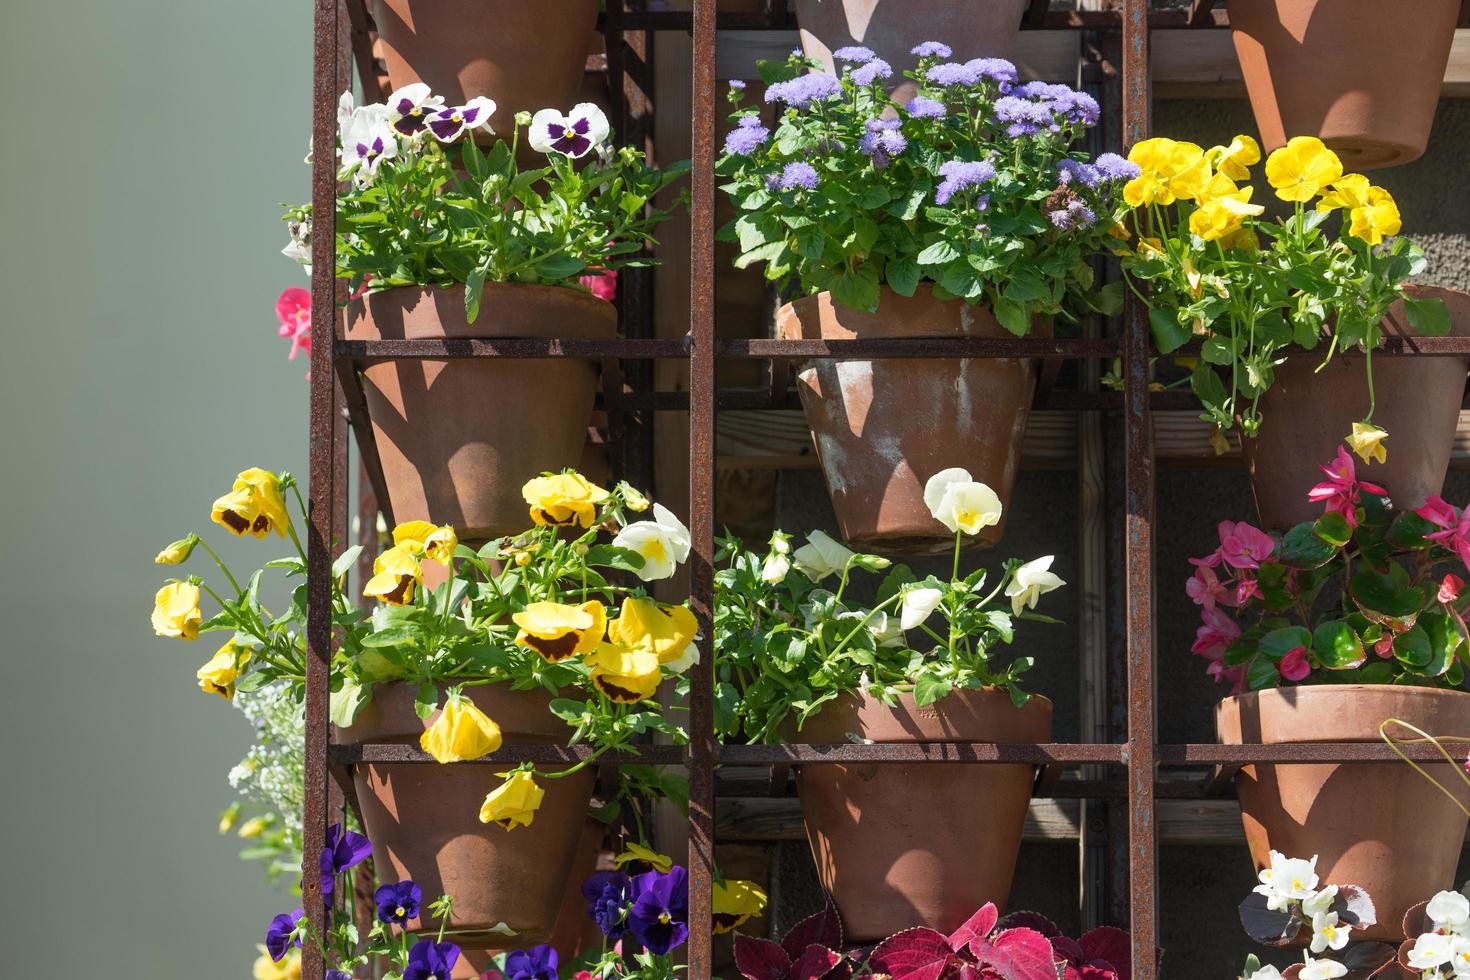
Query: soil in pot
<point>926,844</point>
<point>883,428</point>
<point>1306,413</point>
<point>509,51</point>
<point>1379,825</point>
<point>458,439</point>
<point>1363,75</point>
<point>423,819</point>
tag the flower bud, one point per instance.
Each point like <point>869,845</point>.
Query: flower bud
<point>178,552</point>
<point>523,118</point>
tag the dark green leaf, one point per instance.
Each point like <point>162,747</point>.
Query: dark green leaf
<point>1338,646</point>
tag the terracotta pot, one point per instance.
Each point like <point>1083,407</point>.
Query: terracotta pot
<point>1306,413</point>
<point>891,28</point>
<point>1379,825</point>
<point>882,428</point>
<point>459,438</point>
<point>1361,74</point>
<point>898,846</point>
<point>423,819</point>
<point>508,51</point>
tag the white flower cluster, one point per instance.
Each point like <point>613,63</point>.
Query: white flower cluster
<point>1290,885</point>
<point>271,775</point>
<point>1444,952</point>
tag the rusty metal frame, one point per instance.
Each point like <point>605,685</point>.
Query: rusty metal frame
<point>343,30</point>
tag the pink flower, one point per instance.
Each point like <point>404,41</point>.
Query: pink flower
<point>604,285</point>
<point>1294,666</point>
<point>293,310</point>
<point>1211,560</point>
<point>1439,513</point>
<point>1340,490</point>
<point>1234,676</point>
<point>1384,647</point>
<point>1213,638</point>
<point>1449,589</point>
<point>1244,546</point>
<point>1205,589</point>
<point>1247,589</point>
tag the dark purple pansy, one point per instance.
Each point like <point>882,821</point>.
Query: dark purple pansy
<point>428,960</point>
<point>608,894</point>
<point>280,935</point>
<point>659,918</point>
<point>344,850</point>
<point>399,902</point>
<point>338,975</point>
<point>537,963</point>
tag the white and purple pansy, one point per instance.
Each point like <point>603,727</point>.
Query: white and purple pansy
<point>367,141</point>
<point>574,135</point>
<point>452,122</point>
<point>410,107</point>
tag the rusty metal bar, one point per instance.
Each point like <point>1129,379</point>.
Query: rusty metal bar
<point>384,752</point>
<point>1038,753</point>
<point>1054,20</point>
<point>370,351</point>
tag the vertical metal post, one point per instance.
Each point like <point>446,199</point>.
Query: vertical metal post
<point>323,476</point>
<point>1138,543</point>
<point>702,488</point>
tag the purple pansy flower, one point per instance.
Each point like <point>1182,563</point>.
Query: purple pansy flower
<point>428,960</point>
<point>802,91</point>
<point>883,141</point>
<point>410,106</point>
<point>922,107</point>
<point>659,918</point>
<point>798,174</point>
<point>452,122</point>
<point>536,963</point>
<point>573,135</point>
<point>960,175</point>
<point>748,136</point>
<point>855,53</point>
<point>338,975</point>
<point>872,72</point>
<point>344,850</point>
<point>280,935</point>
<point>397,903</point>
<point>608,895</point>
<point>932,49</point>
<point>1116,169</point>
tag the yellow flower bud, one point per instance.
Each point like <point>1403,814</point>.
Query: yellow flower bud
<point>228,817</point>
<point>288,969</point>
<point>633,498</point>
<point>254,827</point>
<point>178,552</point>
<point>461,732</point>
<point>176,611</point>
<point>514,802</point>
<point>1367,441</point>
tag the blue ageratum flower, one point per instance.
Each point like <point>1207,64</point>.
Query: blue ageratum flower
<point>280,935</point>
<point>951,74</point>
<point>883,141</point>
<point>855,53</point>
<point>1115,169</point>
<point>1071,172</point>
<point>537,963</point>
<point>960,175</point>
<point>608,895</point>
<point>659,918</point>
<point>799,174</point>
<point>871,72</point>
<point>747,136</point>
<point>921,107</point>
<point>428,960</point>
<point>932,49</point>
<point>997,70</point>
<point>802,91</point>
<point>344,850</point>
<point>397,903</point>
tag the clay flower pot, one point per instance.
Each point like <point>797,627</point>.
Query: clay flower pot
<point>883,427</point>
<point>423,819</point>
<point>1378,825</point>
<point>898,846</point>
<point>891,28</point>
<point>1363,75</point>
<point>510,51</point>
<point>459,438</point>
<point>1306,413</point>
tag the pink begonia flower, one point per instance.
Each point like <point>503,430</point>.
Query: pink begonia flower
<point>1244,546</point>
<point>1340,490</point>
<point>604,285</point>
<point>1234,676</point>
<point>1205,589</point>
<point>1384,647</point>
<point>293,310</point>
<point>1212,560</point>
<point>1295,666</point>
<point>1213,638</point>
<point>1247,589</point>
<point>1454,533</point>
<point>1438,512</point>
<point>1449,589</point>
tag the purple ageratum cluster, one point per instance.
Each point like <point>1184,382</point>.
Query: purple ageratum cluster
<point>802,91</point>
<point>921,107</point>
<point>932,49</point>
<point>738,84</point>
<point>952,73</point>
<point>875,70</point>
<point>1106,169</point>
<point>536,963</point>
<point>1023,117</point>
<point>883,141</point>
<point>961,175</point>
<point>747,137</point>
<point>344,850</point>
<point>854,53</point>
<point>1068,103</point>
<point>659,917</point>
<point>428,960</point>
<point>608,895</point>
<point>1075,215</point>
<point>794,175</point>
<point>973,72</point>
<point>1116,169</point>
<point>997,70</point>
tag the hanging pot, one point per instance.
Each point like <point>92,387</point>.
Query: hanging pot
<point>926,844</point>
<point>883,427</point>
<point>1306,413</point>
<point>1363,75</point>
<point>1381,826</point>
<point>424,819</point>
<point>891,29</point>
<point>510,51</point>
<point>458,439</point>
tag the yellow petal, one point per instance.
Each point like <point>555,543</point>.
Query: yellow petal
<point>514,802</point>
<point>1367,441</point>
<point>176,611</point>
<point>462,732</point>
<point>637,852</point>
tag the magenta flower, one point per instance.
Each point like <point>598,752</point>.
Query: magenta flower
<point>1339,492</point>
<point>1214,637</point>
<point>1437,511</point>
<point>293,311</point>
<point>1449,589</point>
<point>1205,589</point>
<point>1295,666</point>
<point>603,285</point>
<point>1244,546</point>
<point>1247,589</point>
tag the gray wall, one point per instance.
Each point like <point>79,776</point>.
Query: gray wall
<point>147,146</point>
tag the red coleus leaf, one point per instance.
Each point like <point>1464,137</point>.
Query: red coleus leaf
<point>822,929</point>
<point>978,927</point>
<point>915,954</point>
<point>1016,954</point>
<point>1111,947</point>
<point>761,959</point>
<point>815,963</point>
<point>1031,920</point>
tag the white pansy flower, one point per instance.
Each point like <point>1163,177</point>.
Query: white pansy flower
<point>684,661</point>
<point>1265,973</point>
<point>1287,880</point>
<point>1321,969</point>
<point>1032,581</point>
<point>1449,911</point>
<point>885,629</point>
<point>409,108</point>
<point>774,568</point>
<point>1460,956</point>
<point>367,141</point>
<point>820,556</point>
<point>960,503</point>
<point>1431,951</point>
<point>662,542</point>
<point>1328,933</point>
<point>574,135</point>
<point>918,604</point>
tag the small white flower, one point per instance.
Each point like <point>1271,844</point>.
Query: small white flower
<point>1031,581</point>
<point>960,503</point>
<point>885,629</point>
<point>574,135</point>
<point>1287,880</point>
<point>820,556</point>
<point>662,542</point>
<point>1449,911</point>
<point>1460,956</point>
<point>452,122</point>
<point>684,661</point>
<point>1328,933</point>
<point>367,141</point>
<point>1265,973</point>
<point>1320,902</point>
<point>1321,969</point>
<point>774,568</point>
<point>918,604</point>
<point>346,106</point>
<point>298,249</point>
<point>1431,951</point>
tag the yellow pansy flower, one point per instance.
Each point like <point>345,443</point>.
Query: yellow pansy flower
<point>396,573</point>
<point>288,969</point>
<point>1191,174</point>
<point>1367,441</point>
<point>267,488</point>
<point>1168,169</point>
<point>558,631</point>
<point>434,542</point>
<point>1348,191</point>
<point>254,827</point>
<point>637,852</point>
<point>219,675</point>
<point>735,902</point>
<point>1235,160</point>
<point>1301,168</point>
<point>253,506</point>
<point>176,611</point>
<point>178,552</point>
<point>462,732</point>
<point>514,802</point>
<point>563,499</point>
<point>625,674</point>
<point>1222,216</point>
<point>666,630</point>
<point>1377,219</point>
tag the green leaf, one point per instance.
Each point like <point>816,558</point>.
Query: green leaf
<point>559,267</point>
<point>1262,674</point>
<point>898,576</point>
<point>1334,529</point>
<point>474,290</point>
<point>345,561</point>
<point>1278,643</point>
<point>874,197</point>
<point>1412,649</point>
<point>1217,350</point>
<point>940,253</point>
<point>1012,316</point>
<point>347,701</point>
<point>903,276</point>
<point>1429,317</point>
<point>928,689</point>
<point>1302,549</point>
<point>1386,597</point>
<point>426,700</point>
<point>606,556</point>
<point>1169,334</point>
<point>1338,646</point>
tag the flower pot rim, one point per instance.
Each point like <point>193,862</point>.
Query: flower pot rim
<point>1268,709</point>
<point>555,293</point>
<point>845,712</point>
<point>390,715</point>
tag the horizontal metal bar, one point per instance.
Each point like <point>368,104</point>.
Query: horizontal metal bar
<point>1210,753</point>
<point>1035,753</point>
<point>388,752</point>
<point>1055,20</point>
<point>369,351</point>
<point>896,347</point>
